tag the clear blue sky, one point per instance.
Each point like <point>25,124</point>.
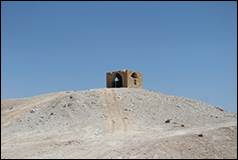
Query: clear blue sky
<point>182,48</point>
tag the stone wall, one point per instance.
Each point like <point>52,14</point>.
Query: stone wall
<point>135,79</point>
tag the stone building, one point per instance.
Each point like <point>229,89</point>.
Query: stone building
<point>124,78</point>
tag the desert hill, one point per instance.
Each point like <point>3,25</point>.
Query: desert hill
<point>115,123</point>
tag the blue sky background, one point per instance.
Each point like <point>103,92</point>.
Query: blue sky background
<point>182,48</point>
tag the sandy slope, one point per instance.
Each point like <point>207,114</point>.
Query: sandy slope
<point>115,123</point>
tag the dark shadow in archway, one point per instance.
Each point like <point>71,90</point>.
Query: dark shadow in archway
<point>117,81</point>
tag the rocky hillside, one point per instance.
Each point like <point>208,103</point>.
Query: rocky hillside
<point>115,123</point>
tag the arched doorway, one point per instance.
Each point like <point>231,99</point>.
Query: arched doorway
<point>117,81</point>
<point>134,77</point>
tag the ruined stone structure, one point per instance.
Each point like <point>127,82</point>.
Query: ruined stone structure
<point>124,78</point>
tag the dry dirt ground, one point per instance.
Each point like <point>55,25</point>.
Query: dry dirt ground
<point>115,123</point>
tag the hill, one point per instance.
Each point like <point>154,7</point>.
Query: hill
<point>115,123</point>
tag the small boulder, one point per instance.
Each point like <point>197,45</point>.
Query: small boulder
<point>32,111</point>
<point>93,102</point>
<point>200,135</point>
<point>220,109</point>
<point>168,121</point>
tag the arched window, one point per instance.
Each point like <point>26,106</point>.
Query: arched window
<point>134,76</point>
<point>117,81</point>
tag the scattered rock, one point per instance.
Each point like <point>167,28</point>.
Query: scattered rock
<point>126,109</point>
<point>93,102</point>
<point>109,122</point>
<point>168,121</point>
<point>71,142</point>
<point>200,135</point>
<point>32,111</point>
<point>103,116</point>
<point>178,106</point>
<point>220,109</point>
<point>68,143</point>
